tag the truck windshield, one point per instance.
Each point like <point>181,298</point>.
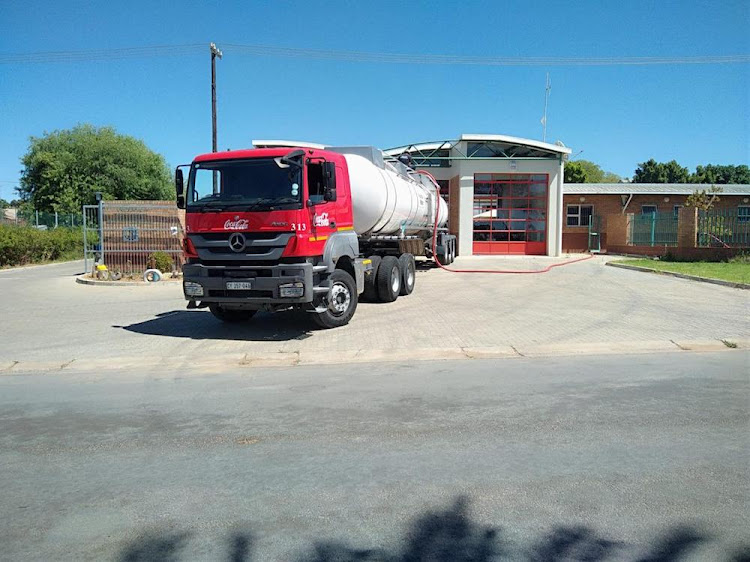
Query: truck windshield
<point>252,185</point>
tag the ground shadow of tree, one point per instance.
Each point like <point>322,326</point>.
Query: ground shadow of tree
<point>450,535</point>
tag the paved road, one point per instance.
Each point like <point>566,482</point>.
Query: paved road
<point>644,457</point>
<point>46,317</point>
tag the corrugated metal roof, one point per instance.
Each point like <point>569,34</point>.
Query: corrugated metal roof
<point>651,188</point>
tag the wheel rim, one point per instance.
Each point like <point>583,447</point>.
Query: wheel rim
<point>410,277</point>
<point>395,280</point>
<point>339,299</point>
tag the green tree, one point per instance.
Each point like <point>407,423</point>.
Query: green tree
<point>574,173</point>
<point>584,171</point>
<point>4,204</point>
<point>661,172</point>
<point>703,199</point>
<point>718,174</point>
<point>64,169</point>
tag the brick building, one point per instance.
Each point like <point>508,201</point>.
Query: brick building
<point>586,204</point>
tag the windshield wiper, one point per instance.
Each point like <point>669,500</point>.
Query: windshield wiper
<point>212,206</point>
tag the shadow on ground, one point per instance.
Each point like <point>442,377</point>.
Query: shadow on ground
<point>451,536</point>
<point>201,325</point>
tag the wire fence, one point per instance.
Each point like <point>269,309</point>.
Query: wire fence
<point>40,219</point>
<point>132,236</point>
<point>724,228</point>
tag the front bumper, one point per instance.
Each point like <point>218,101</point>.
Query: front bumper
<point>264,280</point>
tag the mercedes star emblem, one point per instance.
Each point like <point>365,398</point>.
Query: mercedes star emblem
<point>237,242</point>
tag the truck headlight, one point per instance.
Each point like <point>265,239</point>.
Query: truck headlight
<point>192,289</point>
<point>292,290</point>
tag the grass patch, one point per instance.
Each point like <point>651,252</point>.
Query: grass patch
<point>729,344</point>
<point>736,272</point>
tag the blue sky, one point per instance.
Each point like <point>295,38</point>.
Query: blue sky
<point>617,115</point>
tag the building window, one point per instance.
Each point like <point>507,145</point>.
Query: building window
<point>677,210</point>
<point>648,209</point>
<point>579,215</point>
<point>743,213</point>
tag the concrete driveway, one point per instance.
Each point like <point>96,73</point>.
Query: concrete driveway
<point>50,322</point>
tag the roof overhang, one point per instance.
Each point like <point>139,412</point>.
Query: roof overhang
<point>558,148</point>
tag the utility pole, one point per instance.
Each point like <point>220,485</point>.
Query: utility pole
<point>547,88</point>
<point>215,52</point>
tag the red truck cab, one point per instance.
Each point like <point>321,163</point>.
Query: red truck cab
<point>270,229</point>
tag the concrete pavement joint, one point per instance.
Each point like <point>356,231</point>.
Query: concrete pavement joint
<point>220,363</point>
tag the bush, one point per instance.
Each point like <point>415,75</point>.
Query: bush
<point>161,261</point>
<point>21,245</point>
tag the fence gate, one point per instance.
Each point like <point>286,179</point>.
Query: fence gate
<point>92,235</point>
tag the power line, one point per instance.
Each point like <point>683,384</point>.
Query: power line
<point>94,55</point>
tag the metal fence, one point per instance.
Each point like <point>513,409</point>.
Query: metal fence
<point>126,235</point>
<point>40,219</point>
<point>723,228</point>
<point>654,229</point>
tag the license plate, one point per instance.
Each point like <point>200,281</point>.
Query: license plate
<point>239,285</point>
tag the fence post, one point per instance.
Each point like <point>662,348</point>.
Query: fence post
<point>36,213</point>
<point>85,245</point>
<point>56,223</point>
<point>101,226</point>
<point>687,227</point>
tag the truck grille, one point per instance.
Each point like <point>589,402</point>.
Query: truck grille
<point>259,246</point>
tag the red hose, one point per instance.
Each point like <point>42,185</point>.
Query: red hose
<point>509,271</point>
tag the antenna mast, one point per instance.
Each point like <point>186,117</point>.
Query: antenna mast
<point>547,88</point>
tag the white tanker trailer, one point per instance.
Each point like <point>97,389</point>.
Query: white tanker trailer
<point>295,225</point>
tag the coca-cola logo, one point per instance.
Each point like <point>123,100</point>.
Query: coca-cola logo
<point>240,224</point>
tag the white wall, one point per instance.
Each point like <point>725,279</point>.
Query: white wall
<point>466,169</point>
<point>553,167</point>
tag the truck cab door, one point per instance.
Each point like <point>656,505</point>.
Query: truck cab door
<point>321,189</point>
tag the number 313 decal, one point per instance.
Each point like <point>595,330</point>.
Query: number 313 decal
<point>299,226</point>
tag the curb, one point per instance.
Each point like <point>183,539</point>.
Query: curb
<point>220,363</point>
<point>84,279</point>
<point>682,275</point>
<point>33,266</point>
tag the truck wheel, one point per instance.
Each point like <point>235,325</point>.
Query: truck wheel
<point>371,288</point>
<point>340,302</point>
<point>408,273</point>
<point>230,315</point>
<point>389,279</point>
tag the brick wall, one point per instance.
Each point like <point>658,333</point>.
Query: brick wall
<point>575,238</point>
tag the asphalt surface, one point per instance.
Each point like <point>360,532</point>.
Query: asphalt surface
<point>641,457</point>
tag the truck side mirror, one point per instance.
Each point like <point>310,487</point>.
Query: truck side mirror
<point>179,186</point>
<point>329,181</point>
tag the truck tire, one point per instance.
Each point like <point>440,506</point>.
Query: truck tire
<point>389,279</point>
<point>371,288</point>
<point>408,273</point>
<point>231,316</point>
<point>340,301</point>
